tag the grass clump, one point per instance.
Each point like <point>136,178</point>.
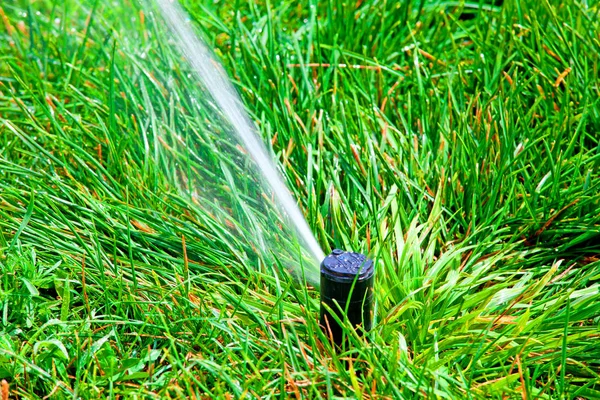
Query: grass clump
<point>461,153</point>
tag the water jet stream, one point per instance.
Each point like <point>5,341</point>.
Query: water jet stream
<point>208,72</point>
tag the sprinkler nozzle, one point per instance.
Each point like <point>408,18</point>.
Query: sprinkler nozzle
<point>346,279</point>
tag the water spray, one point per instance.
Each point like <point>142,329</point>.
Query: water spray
<point>346,291</point>
<point>225,167</point>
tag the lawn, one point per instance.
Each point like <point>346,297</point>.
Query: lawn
<point>457,143</point>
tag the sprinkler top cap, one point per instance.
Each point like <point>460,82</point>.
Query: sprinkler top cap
<point>346,265</point>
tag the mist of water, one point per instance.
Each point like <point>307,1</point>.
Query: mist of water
<point>223,93</point>
<point>217,157</point>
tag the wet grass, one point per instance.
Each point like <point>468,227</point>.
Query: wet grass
<point>462,154</point>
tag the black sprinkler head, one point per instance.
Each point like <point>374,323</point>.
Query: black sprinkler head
<point>346,279</point>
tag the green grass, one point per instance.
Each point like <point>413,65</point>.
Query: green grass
<point>463,155</point>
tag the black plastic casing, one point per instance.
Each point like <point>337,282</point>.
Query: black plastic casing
<point>347,278</point>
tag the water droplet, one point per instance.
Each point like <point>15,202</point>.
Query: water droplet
<point>57,21</point>
<point>306,20</point>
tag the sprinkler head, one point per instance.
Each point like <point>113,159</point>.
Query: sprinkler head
<point>346,279</point>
